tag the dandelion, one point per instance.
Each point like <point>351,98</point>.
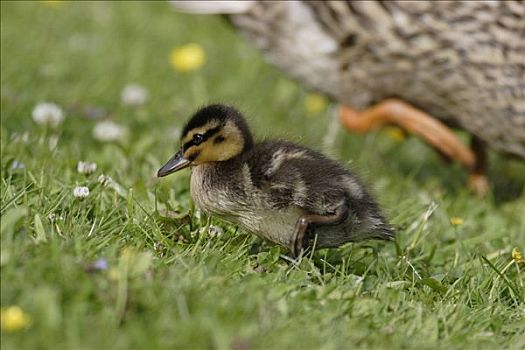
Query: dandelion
<point>47,113</point>
<point>456,221</point>
<point>187,58</point>
<point>81,192</point>
<point>14,319</point>
<point>517,257</point>
<point>396,134</point>
<point>315,103</point>
<point>108,130</point>
<point>86,167</point>
<point>134,95</point>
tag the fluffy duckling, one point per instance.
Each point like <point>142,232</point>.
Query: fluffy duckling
<point>281,191</point>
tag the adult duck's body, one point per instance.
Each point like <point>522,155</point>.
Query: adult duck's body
<point>418,64</point>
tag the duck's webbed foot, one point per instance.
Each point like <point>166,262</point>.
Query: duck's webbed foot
<point>428,128</point>
<point>305,222</point>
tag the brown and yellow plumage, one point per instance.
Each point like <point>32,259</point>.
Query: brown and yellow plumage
<point>281,191</point>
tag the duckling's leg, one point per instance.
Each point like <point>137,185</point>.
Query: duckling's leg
<point>298,242</point>
<point>413,120</point>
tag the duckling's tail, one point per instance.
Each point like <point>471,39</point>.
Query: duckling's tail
<point>375,226</point>
<point>355,228</point>
<point>385,232</point>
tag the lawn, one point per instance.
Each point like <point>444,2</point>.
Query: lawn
<point>134,265</point>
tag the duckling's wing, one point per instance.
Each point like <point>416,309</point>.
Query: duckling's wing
<point>289,174</point>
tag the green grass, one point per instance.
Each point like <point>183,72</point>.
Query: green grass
<point>169,283</point>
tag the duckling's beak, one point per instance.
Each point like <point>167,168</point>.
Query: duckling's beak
<point>176,163</point>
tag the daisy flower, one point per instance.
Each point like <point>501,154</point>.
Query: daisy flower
<point>134,95</point>
<point>47,113</point>
<point>108,130</point>
<point>81,192</point>
<point>86,167</point>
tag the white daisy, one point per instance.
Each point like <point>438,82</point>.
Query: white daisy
<point>47,113</point>
<point>108,130</point>
<point>86,167</point>
<point>81,192</point>
<point>134,95</point>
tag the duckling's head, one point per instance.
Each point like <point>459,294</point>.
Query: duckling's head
<point>216,133</point>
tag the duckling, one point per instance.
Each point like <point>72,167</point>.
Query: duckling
<point>281,191</point>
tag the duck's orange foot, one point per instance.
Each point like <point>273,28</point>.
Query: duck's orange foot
<point>421,124</point>
<point>479,184</point>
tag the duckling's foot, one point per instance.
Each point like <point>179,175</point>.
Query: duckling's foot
<point>298,242</point>
<point>413,120</point>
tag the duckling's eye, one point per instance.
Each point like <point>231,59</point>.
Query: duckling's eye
<point>198,138</point>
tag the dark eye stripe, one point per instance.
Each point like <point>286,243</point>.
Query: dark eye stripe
<point>211,132</point>
<point>206,136</point>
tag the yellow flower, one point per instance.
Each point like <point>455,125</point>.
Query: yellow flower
<point>456,221</point>
<point>396,134</point>
<point>14,319</point>
<point>187,57</point>
<point>315,103</point>
<point>517,256</point>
